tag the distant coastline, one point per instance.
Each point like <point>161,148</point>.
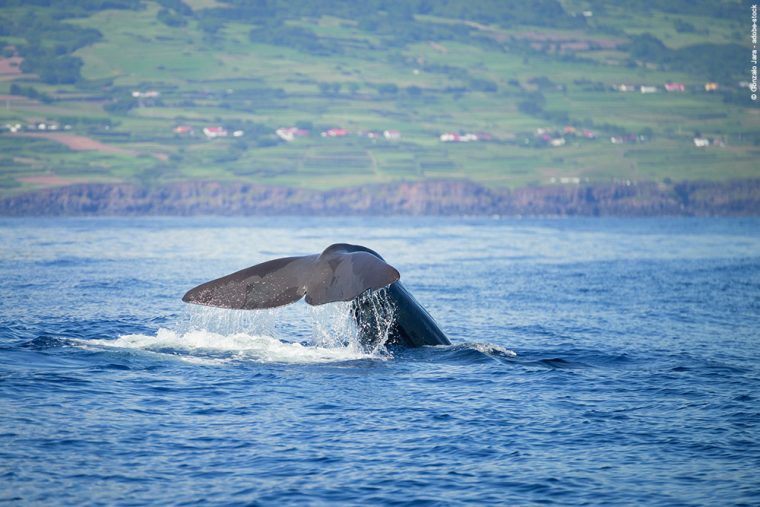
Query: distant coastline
<point>426,197</point>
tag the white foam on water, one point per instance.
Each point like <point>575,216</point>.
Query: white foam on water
<point>143,343</point>
<point>206,347</point>
<point>488,348</point>
<point>296,333</point>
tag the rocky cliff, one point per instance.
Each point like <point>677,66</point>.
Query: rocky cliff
<point>430,197</point>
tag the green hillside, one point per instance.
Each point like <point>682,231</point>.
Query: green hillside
<point>529,92</point>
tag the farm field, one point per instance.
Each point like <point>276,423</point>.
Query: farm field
<point>326,97</point>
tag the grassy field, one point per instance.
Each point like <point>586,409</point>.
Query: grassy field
<point>542,100</point>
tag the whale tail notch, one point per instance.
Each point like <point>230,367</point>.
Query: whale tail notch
<point>341,273</point>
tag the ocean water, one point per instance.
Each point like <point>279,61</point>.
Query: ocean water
<point>594,362</point>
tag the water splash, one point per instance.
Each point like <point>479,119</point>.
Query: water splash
<point>332,326</point>
<point>227,322</point>
<point>208,348</point>
<point>374,316</point>
<point>296,333</point>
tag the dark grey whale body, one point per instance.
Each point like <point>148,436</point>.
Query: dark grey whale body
<point>342,272</point>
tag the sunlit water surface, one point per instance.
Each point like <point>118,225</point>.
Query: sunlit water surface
<point>593,362</point>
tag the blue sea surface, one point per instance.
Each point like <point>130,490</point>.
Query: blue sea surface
<point>593,362</point>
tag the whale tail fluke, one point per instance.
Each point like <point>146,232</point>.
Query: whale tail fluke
<point>341,273</point>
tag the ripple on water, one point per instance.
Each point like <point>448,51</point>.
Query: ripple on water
<point>634,381</point>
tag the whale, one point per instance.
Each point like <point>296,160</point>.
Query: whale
<point>342,272</point>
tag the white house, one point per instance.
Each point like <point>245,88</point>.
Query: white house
<point>213,132</point>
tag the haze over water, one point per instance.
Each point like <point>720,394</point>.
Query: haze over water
<point>594,361</point>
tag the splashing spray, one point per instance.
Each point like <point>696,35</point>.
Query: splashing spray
<point>362,326</point>
<point>374,315</point>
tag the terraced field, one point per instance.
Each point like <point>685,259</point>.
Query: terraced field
<point>542,100</point>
